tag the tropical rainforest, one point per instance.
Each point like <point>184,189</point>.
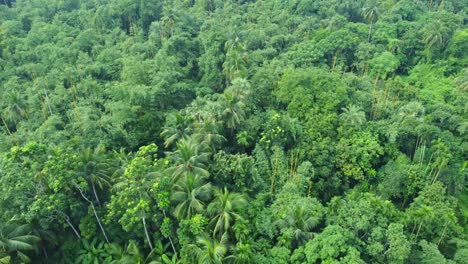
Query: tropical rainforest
<point>233,131</point>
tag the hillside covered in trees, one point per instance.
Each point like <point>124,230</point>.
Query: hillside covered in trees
<point>233,131</point>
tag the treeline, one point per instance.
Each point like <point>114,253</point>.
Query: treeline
<point>210,131</point>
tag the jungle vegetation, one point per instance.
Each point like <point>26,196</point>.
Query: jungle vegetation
<point>233,131</point>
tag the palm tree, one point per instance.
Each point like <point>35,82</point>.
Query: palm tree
<point>371,13</point>
<point>233,112</point>
<point>435,35</point>
<point>210,251</point>
<point>15,105</point>
<point>353,116</point>
<point>235,63</point>
<point>207,133</point>
<point>190,194</point>
<point>410,111</point>
<point>462,81</point>
<point>95,169</point>
<point>224,210</point>
<point>301,221</point>
<point>119,161</point>
<point>15,239</point>
<point>179,130</point>
<point>130,254</point>
<point>160,255</point>
<point>167,25</point>
<point>190,157</point>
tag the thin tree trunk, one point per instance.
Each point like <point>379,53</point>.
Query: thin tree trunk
<point>436,176</point>
<point>170,240</point>
<point>416,147</point>
<point>94,211</point>
<point>95,194</point>
<point>403,203</point>
<point>48,101</point>
<point>67,219</point>
<point>414,228</point>
<point>272,187</point>
<point>419,229</point>
<point>370,32</point>
<point>429,162</point>
<point>421,158</point>
<point>143,218</point>
<point>44,251</point>
<point>99,222</point>
<point>334,59</point>
<point>6,126</point>
<point>443,233</point>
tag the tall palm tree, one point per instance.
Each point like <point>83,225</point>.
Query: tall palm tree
<point>233,113</point>
<point>353,116</point>
<point>410,111</point>
<point>15,240</point>
<point>14,108</point>
<point>15,105</point>
<point>190,157</point>
<point>95,169</point>
<point>224,210</point>
<point>190,194</point>
<point>371,13</point>
<point>435,35</point>
<point>207,132</point>
<point>235,63</point>
<point>179,130</point>
<point>210,251</point>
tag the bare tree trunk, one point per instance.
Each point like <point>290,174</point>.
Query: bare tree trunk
<point>429,162</point>
<point>95,194</point>
<point>67,219</point>
<point>436,176</point>
<point>170,240</point>
<point>143,218</point>
<point>370,32</point>
<point>94,211</point>
<point>421,157</point>
<point>72,227</point>
<point>99,222</point>
<point>403,203</point>
<point>48,101</point>
<point>416,147</point>
<point>419,229</point>
<point>45,252</point>
<point>6,126</point>
<point>443,233</point>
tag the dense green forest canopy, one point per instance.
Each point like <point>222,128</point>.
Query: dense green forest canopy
<point>233,131</point>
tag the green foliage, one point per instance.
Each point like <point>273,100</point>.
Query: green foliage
<point>15,241</point>
<point>333,245</point>
<point>358,155</point>
<point>432,216</point>
<point>236,131</point>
